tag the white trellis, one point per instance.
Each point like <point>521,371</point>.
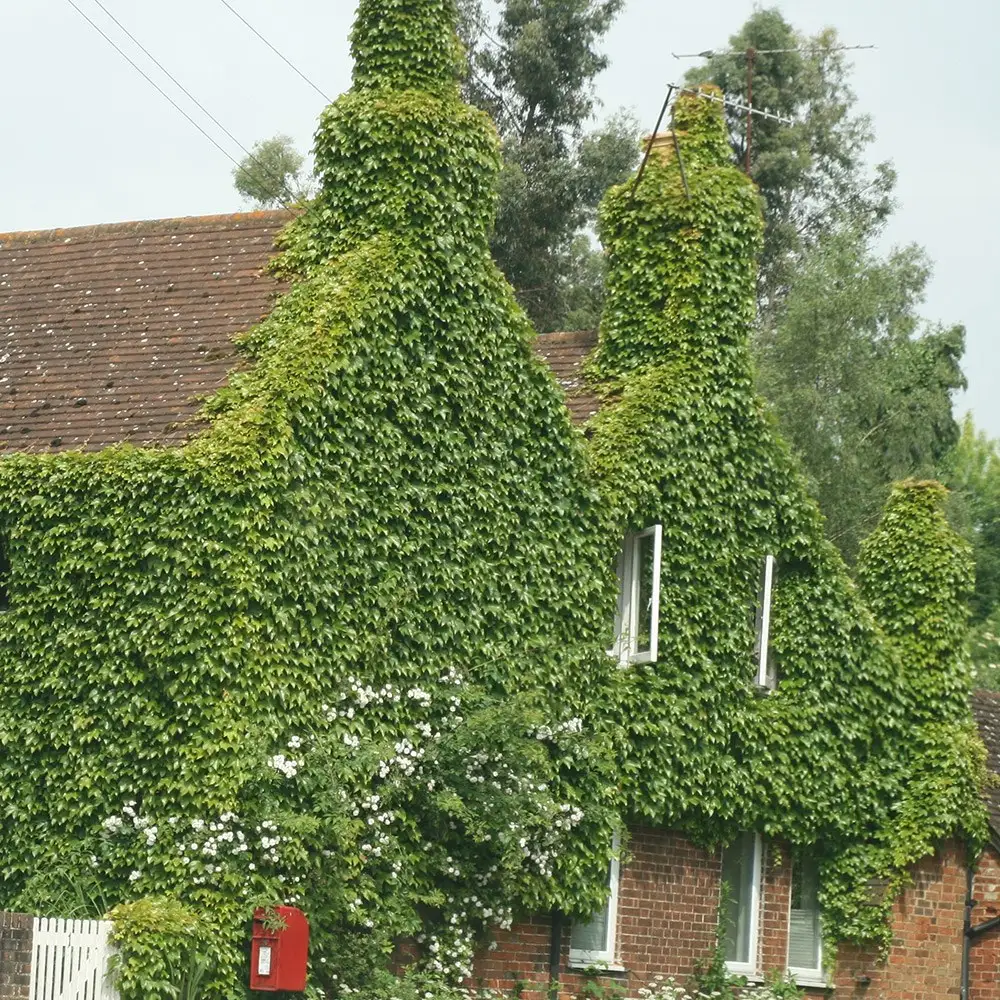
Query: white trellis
<point>70,960</point>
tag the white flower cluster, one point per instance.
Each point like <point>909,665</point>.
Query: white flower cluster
<point>572,726</point>
<point>663,988</point>
<point>289,768</point>
<point>568,816</point>
<point>406,760</point>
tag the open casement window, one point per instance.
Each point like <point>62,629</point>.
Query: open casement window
<point>767,674</point>
<point>741,903</point>
<point>637,623</point>
<point>592,942</point>
<point>4,571</point>
<point>805,936</point>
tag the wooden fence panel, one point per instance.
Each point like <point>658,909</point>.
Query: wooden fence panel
<point>70,960</point>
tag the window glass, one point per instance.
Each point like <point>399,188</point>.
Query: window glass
<point>592,936</point>
<point>645,564</point>
<point>637,618</point>
<point>4,573</point>
<point>804,932</point>
<point>592,942</point>
<point>739,872</point>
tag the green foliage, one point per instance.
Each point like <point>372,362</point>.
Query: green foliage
<point>534,74</point>
<point>272,174</point>
<point>865,753</point>
<point>972,472</point>
<point>161,950</point>
<point>862,390</point>
<point>861,387</point>
<point>346,648</point>
<point>341,649</point>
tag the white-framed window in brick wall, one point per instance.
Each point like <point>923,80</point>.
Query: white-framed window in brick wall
<point>592,942</point>
<point>767,674</point>
<point>637,622</point>
<point>805,932</point>
<point>740,912</point>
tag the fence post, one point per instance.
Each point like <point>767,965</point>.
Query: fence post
<point>15,955</point>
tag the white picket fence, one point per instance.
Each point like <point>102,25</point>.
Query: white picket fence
<point>70,960</point>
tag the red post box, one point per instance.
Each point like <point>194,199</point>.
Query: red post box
<point>278,955</point>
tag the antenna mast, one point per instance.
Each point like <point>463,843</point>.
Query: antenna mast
<point>750,55</point>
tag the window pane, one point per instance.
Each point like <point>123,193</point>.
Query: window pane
<point>738,873</point>
<point>645,551</point>
<point>593,935</point>
<point>804,938</point>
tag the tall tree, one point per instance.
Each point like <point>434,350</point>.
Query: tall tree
<point>812,174</point>
<point>862,387</point>
<point>533,71</point>
<point>972,470</point>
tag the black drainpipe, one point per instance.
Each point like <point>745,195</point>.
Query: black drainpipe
<point>970,931</point>
<point>555,947</point>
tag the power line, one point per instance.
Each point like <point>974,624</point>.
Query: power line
<point>187,93</point>
<point>152,82</point>
<point>287,61</point>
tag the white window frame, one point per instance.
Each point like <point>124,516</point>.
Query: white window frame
<point>803,976</point>
<point>750,967</point>
<point>580,958</point>
<point>627,618</point>
<point>763,682</point>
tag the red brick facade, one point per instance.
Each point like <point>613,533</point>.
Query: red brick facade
<point>668,911</point>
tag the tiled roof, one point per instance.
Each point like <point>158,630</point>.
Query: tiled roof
<point>116,333</point>
<point>565,354</point>
<point>986,711</point>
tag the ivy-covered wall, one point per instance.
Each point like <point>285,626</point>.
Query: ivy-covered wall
<point>347,647</point>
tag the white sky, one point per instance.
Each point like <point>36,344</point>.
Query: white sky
<point>87,140</point>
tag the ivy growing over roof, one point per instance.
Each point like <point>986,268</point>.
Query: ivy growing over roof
<point>346,648</point>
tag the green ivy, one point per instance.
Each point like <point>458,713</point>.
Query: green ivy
<point>346,648</point>
<point>866,753</point>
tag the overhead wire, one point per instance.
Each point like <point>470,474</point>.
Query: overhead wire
<point>151,81</point>
<point>187,93</point>
<point>284,58</point>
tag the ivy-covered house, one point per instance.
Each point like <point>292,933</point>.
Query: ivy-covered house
<point>516,648</point>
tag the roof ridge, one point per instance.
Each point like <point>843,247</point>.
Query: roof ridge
<point>262,217</point>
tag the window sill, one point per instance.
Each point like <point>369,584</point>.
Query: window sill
<point>582,965</point>
<point>811,980</point>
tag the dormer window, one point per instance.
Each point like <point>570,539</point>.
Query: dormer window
<point>767,674</point>
<point>637,623</point>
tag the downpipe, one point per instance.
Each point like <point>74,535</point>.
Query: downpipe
<point>971,932</point>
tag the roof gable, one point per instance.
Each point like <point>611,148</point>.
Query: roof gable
<point>117,333</point>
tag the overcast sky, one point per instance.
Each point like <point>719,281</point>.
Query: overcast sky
<point>87,140</point>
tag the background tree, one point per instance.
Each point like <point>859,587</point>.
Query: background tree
<point>813,174</point>
<point>861,386</point>
<point>533,71</point>
<point>272,174</point>
<point>972,471</point>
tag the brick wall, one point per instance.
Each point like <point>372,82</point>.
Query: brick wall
<point>925,960</point>
<point>668,908</point>
<point>667,912</point>
<point>15,955</point>
<point>984,955</point>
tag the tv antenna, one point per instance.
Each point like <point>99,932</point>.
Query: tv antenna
<point>750,55</point>
<point>694,91</point>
